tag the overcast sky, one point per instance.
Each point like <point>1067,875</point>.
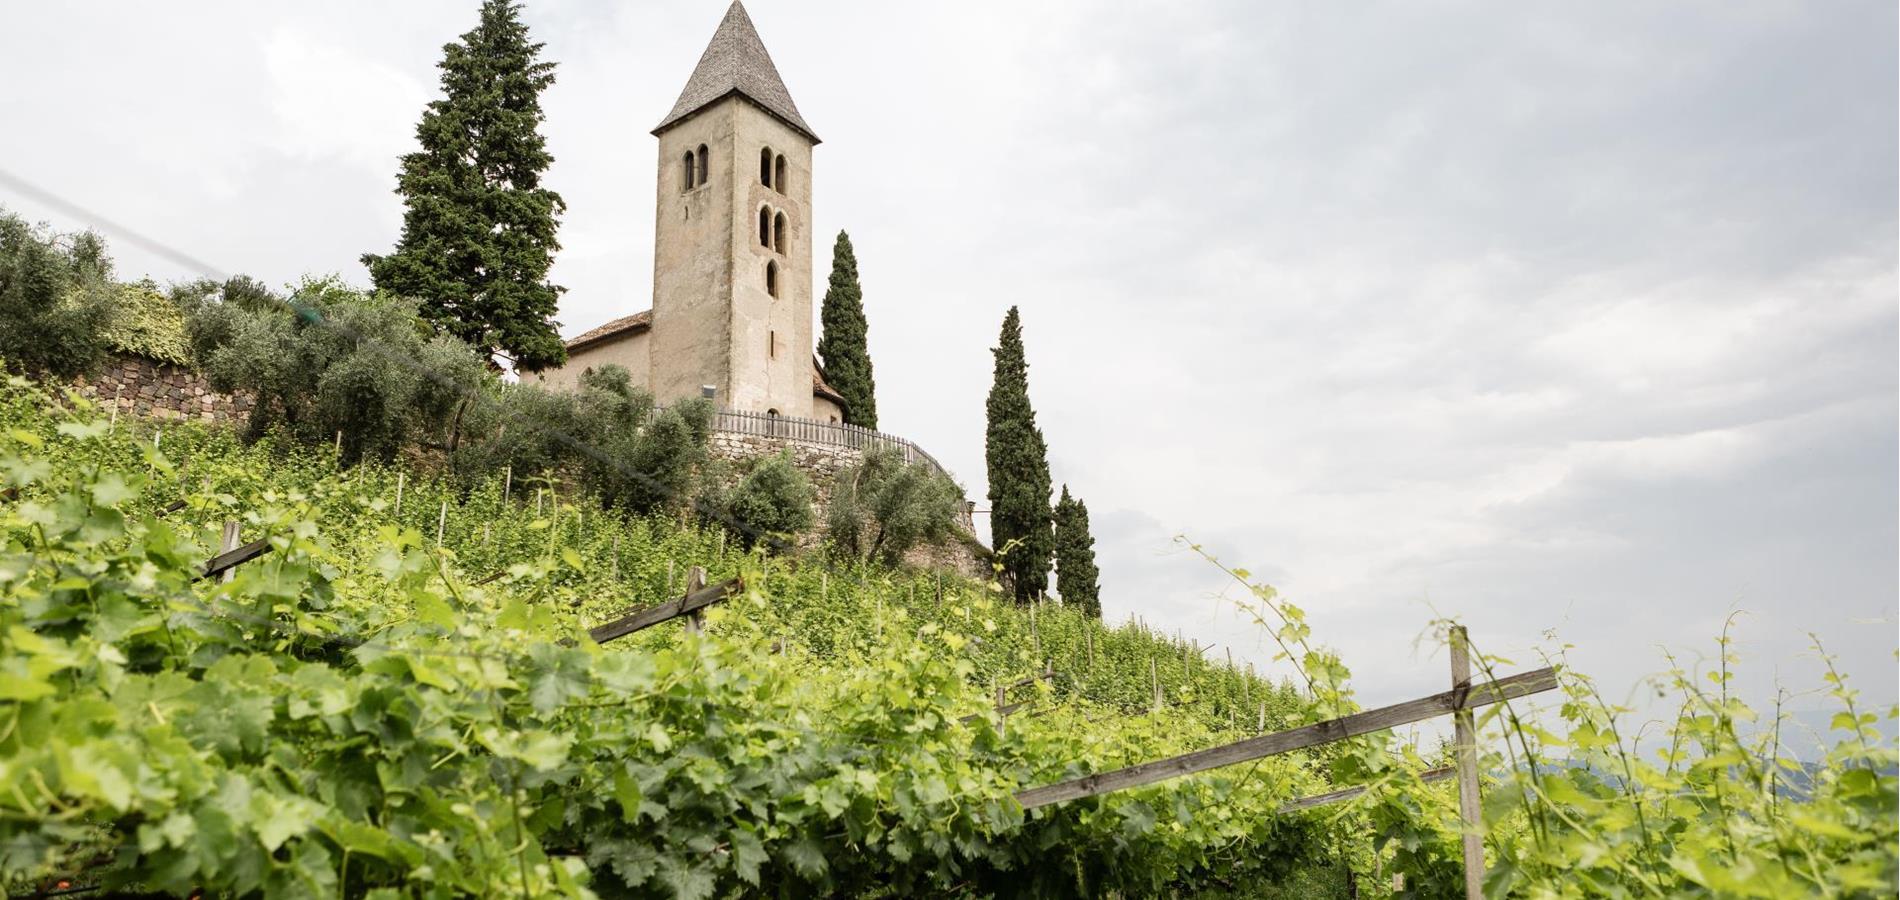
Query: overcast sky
<point>1543,315</point>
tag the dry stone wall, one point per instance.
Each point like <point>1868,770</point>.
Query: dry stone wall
<point>158,390</point>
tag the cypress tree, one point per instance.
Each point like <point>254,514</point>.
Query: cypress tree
<point>1018,462</point>
<point>1076,575</point>
<point>478,232</point>
<point>844,346</point>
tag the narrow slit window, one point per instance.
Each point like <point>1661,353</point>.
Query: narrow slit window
<point>705,164</point>
<point>771,278</point>
<point>771,344</point>
<point>778,232</point>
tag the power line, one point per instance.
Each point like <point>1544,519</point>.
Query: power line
<point>315,316</point>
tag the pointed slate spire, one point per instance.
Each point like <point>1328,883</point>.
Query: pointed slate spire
<point>736,62</point>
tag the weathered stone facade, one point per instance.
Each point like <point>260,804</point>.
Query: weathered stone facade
<point>822,463</point>
<point>158,390</point>
<point>732,247</point>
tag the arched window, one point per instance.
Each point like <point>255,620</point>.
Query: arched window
<point>690,171</point>
<point>778,232</point>
<point>765,166</point>
<point>771,278</point>
<point>705,164</point>
<point>778,179</point>
<point>765,226</point>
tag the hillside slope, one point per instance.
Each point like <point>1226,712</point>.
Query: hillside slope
<point>364,708</point>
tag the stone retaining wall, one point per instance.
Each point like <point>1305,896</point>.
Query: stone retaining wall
<point>158,390</point>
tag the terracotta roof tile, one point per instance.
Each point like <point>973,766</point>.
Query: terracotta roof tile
<point>821,388</point>
<point>633,324</point>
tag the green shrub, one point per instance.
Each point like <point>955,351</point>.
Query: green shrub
<point>772,501</point>
<point>882,507</point>
<point>605,437</point>
<point>330,361</point>
<point>56,298</point>
<point>390,703</point>
<point>148,323</point>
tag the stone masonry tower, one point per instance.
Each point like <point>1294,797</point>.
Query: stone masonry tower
<point>732,276</point>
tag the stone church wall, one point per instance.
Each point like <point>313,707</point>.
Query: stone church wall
<point>158,390</point>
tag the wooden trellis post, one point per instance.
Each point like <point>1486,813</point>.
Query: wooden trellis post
<point>228,543</point>
<point>1465,744</point>
<point>441,522</point>
<point>401,478</point>
<point>695,580</point>
<point>1154,677</point>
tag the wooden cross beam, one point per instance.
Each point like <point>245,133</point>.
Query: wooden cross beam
<point>661,612</point>
<point>231,559</point>
<point>1313,735</point>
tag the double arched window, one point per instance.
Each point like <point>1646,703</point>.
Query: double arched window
<point>695,168</point>
<point>772,170</point>
<point>773,229</point>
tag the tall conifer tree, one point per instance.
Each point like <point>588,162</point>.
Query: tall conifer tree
<point>1076,576</point>
<point>478,233</point>
<point>1018,470</point>
<point>845,347</point>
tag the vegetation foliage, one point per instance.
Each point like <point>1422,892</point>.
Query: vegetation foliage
<point>844,346</point>
<point>479,228</point>
<point>56,299</point>
<point>1018,465</point>
<point>772,502</point>
<point>1077,578</point>
<point>385,704</point>
<point>883,507</point>
<point>332,364</point>
<point>148,322</point>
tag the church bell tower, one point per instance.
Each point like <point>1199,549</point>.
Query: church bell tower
<point>732,270</point>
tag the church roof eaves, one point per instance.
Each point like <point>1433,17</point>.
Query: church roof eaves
<point>736,62</point>
<point>623,326</point>
<point>822,388</point>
